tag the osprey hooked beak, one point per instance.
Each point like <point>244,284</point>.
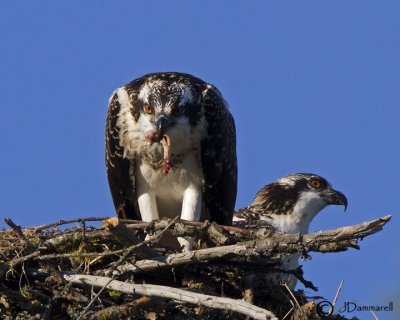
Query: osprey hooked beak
<point>333,196</point>
<point>158,135</point>
<point>162,124</point>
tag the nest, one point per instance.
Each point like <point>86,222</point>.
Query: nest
<point>124,269</point>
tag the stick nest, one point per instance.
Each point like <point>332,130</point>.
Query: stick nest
<point>99,268</point>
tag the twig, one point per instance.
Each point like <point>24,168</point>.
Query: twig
<point>38,256</point>
<point>128,238</point>
<point>18,230</point>
<point>336,297</point>
<point>94,298</point>
<point>287,314</point>
<point>159,225</point>
<point>134,247</point>
<point>292,295</point>
<point>174,293</point>
<point>61,222</point>
<point>157,237</point>
<point>71,237</point>
<point>22,259</point>
<point>83,223</point>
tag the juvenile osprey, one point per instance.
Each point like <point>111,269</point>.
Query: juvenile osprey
<point>289,205</point>
<point>171,150</point>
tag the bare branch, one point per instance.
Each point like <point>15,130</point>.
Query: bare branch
<point>62,222</point>
<point>277,245</point>
<point>71,237</point>
<point>18,230</point>
<point>128,238</point>
<point>186,231</point>
<point>173,293</point>
<point>132,248</point>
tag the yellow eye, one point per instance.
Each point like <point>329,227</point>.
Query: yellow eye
<point>148,109</point>
<point>315,183</point>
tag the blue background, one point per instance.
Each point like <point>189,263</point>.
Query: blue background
<point>313,86</point>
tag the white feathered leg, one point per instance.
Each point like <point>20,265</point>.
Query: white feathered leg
<point>191,211</point>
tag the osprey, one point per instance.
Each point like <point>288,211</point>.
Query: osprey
<point>171,150</point>
<point>289,205</point>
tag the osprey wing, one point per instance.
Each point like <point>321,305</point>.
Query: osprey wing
<point>218,158</point>
<point>119,169</point>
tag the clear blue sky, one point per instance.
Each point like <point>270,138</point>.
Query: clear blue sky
<point>313,87</point>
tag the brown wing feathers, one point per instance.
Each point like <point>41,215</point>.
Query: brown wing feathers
<point>122,184</point>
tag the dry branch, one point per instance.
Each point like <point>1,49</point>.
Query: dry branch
<point>73,237</point>
<point>18,230</point>
<point>128,238</point>
<point>277,245</point>
<point>63,222</point>
<point>183,227</point>
<point>172,293</point>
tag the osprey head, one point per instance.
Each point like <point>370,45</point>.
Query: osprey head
<point>309,192</point>
<point>169,103</point>
<point>293,201</point>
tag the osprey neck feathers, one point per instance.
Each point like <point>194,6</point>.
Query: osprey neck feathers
<point>307,206</point>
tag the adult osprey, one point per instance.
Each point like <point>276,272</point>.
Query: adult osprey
<point>171,150</point>
<point>289,204</point>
